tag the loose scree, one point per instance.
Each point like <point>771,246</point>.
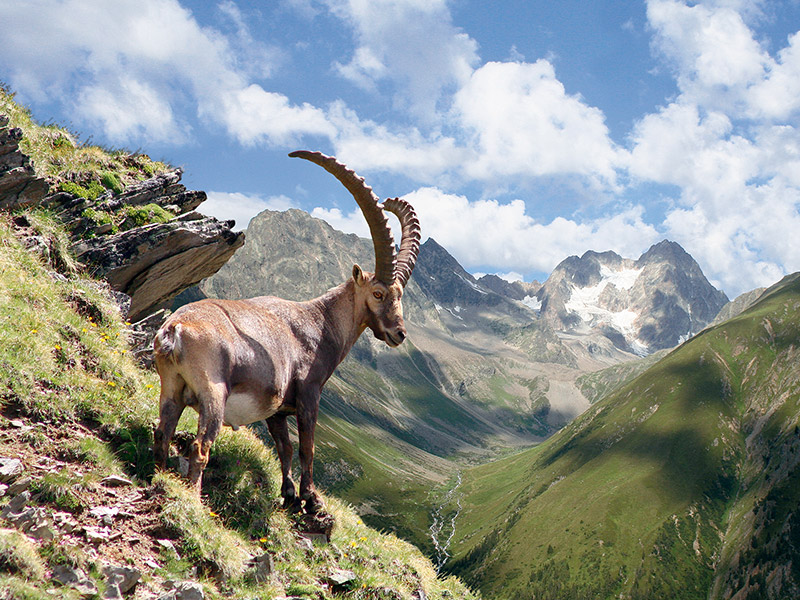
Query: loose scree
<point>240,361</point>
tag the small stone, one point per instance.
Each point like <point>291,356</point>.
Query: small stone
<point>305,544</point>
<point>124,578</point>
<point>20,485</point>
<point>115,481</point>
<point>42,532</point>
<point>419,595</point>
<point>188,590</point>
<point>152,564</point>
<point>65,521</point>
<point>74,578</point>
<point>10,468</point>
<point>16,423</point>
<point>16,504</point>
<point>339,578</point>
<point>316,538</point>
<point>169,547</point>
<point>264,566</point>
<point>96,535</point>
<point>105,513</point>
<point>3,489</point>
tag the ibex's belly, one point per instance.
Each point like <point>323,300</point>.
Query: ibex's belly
<point>243,408</point>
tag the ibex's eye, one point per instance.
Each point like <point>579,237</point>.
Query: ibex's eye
<point>378,295</point>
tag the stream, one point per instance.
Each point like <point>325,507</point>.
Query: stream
<point>443,527</point>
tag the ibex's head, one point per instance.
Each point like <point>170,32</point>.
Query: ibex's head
<point>383,290</point>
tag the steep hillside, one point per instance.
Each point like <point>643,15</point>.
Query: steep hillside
<point>81,512</point>
<point>684,483</point>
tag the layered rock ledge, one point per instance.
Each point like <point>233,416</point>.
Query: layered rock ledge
<point>150,262</point>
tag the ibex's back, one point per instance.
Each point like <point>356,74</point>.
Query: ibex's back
<point>241,361</point>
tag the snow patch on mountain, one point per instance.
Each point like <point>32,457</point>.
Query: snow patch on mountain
<point>585,302</point>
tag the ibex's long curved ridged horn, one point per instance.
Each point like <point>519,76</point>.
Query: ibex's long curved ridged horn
<point>409,243</point>
<point>370,206</point>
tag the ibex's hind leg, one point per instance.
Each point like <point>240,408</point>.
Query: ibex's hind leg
<point>279,430</point>
<point>171,407</point>
<point>307,410</point>
<point>210,408</point>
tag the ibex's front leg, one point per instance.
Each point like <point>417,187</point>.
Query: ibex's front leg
<point>279,430</point>
<point>307,410</point>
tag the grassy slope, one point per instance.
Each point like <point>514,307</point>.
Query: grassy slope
<point>64,362</point>
<point>67,376</point>
<point>652,492</point>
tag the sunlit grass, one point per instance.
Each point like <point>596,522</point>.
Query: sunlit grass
<point>59,157</point>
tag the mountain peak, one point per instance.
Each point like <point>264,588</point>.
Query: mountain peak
<point>665,250</point>
<point>652,303</point>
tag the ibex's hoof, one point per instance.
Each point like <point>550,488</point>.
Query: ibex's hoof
<point>314,505</point>
<point>293,504</point>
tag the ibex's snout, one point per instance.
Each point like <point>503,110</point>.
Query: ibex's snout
<point>394,337</point>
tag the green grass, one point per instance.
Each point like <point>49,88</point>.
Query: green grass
<point>64,360</point>
<point>61,159</point>
<point>651,492</point>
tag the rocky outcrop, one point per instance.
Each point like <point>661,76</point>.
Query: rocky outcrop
<point>154,263</point>
<point>19,185</point>
<point>516,290</point>
<point>150,255</point>
<point>738,305</point>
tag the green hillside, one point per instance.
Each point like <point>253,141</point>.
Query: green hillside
<point>683,483</point>
<point>75,408</point>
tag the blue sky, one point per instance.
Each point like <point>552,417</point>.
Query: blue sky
<point>522,131</point>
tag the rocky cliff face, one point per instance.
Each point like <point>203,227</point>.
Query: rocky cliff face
<point>517,290</point>
<point>642,305</point>
<point>146,240</point>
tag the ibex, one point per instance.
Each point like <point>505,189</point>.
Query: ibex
<point>240,361</point>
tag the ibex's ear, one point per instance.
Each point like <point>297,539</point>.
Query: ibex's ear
<point>358,275</point>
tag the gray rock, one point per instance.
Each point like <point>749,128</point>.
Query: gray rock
<point>263,567</point>
<point>19,185</point>
<point>19,486</point>
<point>340,578</point>
<point>31,520</point>
<point>10,469</point>
<point>152,264</point>
<point>121,578</point>
<point>75,578</point>
<point>116,481</point>
<point>16,505</point>
<point>186,590</point>
<point>169,547</point>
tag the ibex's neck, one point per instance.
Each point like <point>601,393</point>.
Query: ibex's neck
<point>343,320</point>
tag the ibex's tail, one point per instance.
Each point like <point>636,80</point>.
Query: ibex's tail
<point>167,341</point>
